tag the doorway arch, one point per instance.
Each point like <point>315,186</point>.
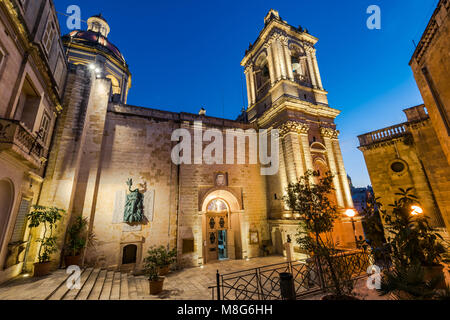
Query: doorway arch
<point>6,204</point>
<point>221,236</point>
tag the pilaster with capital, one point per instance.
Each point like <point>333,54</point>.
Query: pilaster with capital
<point>250,75</point>
<point>304,138</point>
<point>329,135</point>
<point>287,58</point>
<point>311,70</point>
<point>270,62</point>
<point>343,174</point>
<point>316,69</point>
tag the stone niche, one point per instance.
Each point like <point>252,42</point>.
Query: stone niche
<point>130,256</point>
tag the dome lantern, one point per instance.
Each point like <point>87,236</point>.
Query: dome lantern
<point>98,24</point>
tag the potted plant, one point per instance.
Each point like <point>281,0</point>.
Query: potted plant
<point>47,218</point>
<point>77,241</point>
<point>416,250</point>
<point>156,282</point>
<point>312,201</point>
<point>162,258</point>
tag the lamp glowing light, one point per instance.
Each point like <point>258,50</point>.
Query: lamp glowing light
<point>351,213</point>
<point>416,210</point>
<point>92,66</point>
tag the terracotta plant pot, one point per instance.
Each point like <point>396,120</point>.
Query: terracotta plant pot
<point>431,273</point>
<point>163,271</point>
<point>156,287</point>
<point>41,269</point>
<point>72,261</point>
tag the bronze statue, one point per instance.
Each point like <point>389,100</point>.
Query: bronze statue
<point>134,207</point>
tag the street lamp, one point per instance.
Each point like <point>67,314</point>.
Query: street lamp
<point>351,213</point>
<point>416,210</point>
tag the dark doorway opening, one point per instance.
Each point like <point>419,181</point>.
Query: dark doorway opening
<point>129,254</point>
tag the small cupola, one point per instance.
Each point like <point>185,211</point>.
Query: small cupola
<point>98,24</point>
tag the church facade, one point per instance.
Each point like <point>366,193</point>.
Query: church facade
<point>112,163</point>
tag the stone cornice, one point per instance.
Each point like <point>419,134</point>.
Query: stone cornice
<point>430,31</point>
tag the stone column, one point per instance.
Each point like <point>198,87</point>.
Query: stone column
<point>270,63</point>
<point>328,134</point>
<point>304,138</point>
<point>250,85</point>
<point>310,67</point>
<point>249,89</point>
<point>282,173</point>
<point>316,70</point>
<point>342,174</point>
<point>281,58</point>
<point>276,59</point>
<point>292,151</point>
<point>287,59</point>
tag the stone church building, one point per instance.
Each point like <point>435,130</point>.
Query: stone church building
<point>416,154</point>
<point>209,212</point>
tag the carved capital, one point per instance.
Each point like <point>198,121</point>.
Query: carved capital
<point>329,133</point>
<point>293,127</point>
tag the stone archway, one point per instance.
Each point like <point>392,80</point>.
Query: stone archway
<point>221,225</point>
<point>6,203</point>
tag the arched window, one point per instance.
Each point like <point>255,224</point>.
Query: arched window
<point>115,84</point>
<point>299,64</point>
<point>217,206</point>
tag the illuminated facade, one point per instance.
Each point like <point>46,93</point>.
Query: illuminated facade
<point>208,212</point>
<point>32,77</point>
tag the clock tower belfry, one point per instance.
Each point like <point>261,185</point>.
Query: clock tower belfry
<point>285,92</point>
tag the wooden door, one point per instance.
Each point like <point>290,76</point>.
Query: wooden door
<point>214,223</point>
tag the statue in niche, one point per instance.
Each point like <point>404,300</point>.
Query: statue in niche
<point>134,206</point>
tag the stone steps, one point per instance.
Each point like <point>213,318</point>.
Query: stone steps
<point>73,294</point>
<point>99,284</point>
<point>98,287</point>
<point>107,286</point>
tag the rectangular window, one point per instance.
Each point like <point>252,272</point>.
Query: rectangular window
<point>58,71</point>
<point>49,35</point>
<point>21,221</point>
<point>45,128</point>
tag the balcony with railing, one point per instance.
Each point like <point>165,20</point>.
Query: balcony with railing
<point>383,135</point>
<point>21,143</point>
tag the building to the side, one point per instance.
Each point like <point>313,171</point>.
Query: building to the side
<point>431,67</point>
<point>416,153</point>
<point>409,155</point>
<point>112,163</point>
<point>32,78</point>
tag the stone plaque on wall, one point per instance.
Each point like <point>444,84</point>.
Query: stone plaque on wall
<point>149,204</point>
<point>119,206</point>
<point>132,227</point>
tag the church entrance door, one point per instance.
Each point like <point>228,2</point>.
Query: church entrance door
<point>216,231</point>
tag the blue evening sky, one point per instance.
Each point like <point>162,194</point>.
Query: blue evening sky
<point>185,55</point>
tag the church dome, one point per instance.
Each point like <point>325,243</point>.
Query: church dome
<point>96,37</point>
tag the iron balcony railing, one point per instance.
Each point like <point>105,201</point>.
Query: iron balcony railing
<point>18,140</point>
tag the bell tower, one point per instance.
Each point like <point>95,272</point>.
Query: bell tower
<point>282,63</point>
<point>285,92</point>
